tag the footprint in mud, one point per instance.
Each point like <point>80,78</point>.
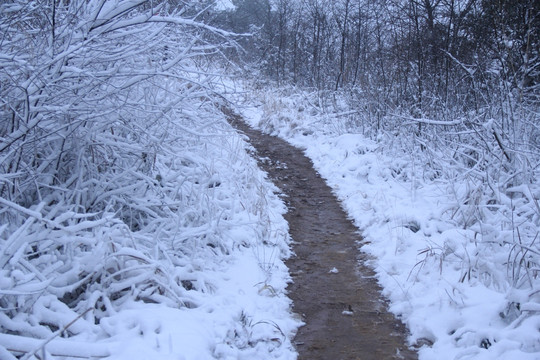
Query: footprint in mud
<point>344,313</point>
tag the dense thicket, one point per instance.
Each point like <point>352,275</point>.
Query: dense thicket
<point>103,104</point>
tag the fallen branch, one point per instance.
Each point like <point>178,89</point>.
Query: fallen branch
<point>59,347</point>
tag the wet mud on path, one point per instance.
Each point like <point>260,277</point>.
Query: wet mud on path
<point>332,290</point>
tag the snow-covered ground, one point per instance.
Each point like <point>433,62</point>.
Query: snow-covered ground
<point>457,283</point>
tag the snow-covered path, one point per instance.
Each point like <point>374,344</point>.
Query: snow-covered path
<point>443,256</point>
<point>333,289</point>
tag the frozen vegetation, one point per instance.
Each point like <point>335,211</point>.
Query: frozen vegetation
<point>133,222</point>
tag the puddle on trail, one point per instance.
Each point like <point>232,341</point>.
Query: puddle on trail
<point>333,290</point>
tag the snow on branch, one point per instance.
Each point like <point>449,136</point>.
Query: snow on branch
<point>196,24</point>
<point>429,121</point>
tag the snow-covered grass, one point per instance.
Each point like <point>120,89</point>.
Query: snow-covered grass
<point>200,275</point>
<point>452,228</point>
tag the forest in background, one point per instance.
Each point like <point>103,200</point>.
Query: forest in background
<point>427,55</point>
<point>470,68</point>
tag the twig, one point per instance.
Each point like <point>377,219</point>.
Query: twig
<point>53,336</point>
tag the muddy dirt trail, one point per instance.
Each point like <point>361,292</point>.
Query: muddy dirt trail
<point>332,290</point>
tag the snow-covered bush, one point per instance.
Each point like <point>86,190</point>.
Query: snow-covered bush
<point>121,182</point>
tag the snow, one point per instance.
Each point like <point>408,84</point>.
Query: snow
<point>135,225</point>
<point>447,275</point>
<point>223,5</point>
